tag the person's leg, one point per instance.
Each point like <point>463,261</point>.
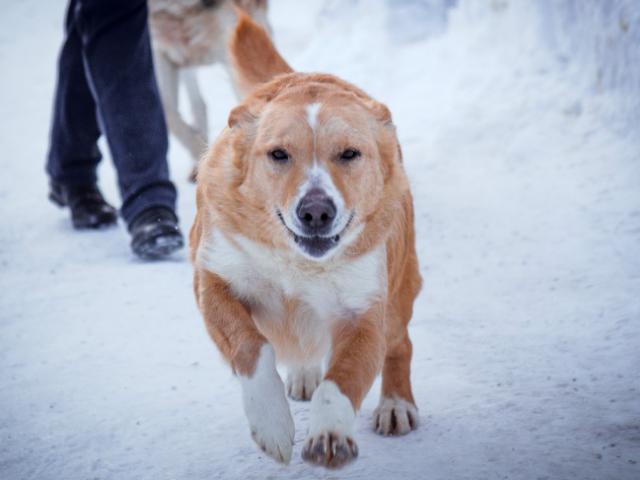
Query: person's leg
<point>73,152</point>
<point>117,58</point>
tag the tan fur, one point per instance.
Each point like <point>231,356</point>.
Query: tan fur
<point>239,189</point>
<point>252,53</point>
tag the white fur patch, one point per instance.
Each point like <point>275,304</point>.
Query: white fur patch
<point>267,408</point>
<point>318,177</point>
<point>395,416</point>
<point>327,291</point>
<point>302,382</point>
<point>312,110</point>
<point>331,411</point>
<point>336,287</point>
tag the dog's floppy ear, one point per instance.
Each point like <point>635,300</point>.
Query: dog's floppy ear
<point>241,115</point>
<point>381,113</point>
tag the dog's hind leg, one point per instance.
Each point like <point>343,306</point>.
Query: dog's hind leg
<point>168,80</point>
<point>396,413</point>
<point>302,381</point>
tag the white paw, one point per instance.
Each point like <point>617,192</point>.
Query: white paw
<point>395,416</point>
<point>301,382</point>
<point>330,441</point>
<point>267,409</point>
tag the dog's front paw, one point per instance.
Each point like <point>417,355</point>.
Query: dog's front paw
<point>330,441</point>
<point>274,434</point>
<point>329,449</point>
<point>302,382</point>
<point>267,409</point>
<point>395,416</point>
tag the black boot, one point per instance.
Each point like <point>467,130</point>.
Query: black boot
<point>88,207</point>
<point>155,233</point>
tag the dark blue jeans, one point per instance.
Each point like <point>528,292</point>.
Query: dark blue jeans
<point>106,85</point>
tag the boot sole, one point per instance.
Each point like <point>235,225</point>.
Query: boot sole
<point>57,200</point>
<point>159,246</point>
<point>96,222</point>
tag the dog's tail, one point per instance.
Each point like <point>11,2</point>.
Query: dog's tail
<point>252,55</point>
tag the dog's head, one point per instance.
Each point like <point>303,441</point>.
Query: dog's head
<point>315,166</point>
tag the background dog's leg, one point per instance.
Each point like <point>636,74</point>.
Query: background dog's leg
<point>358,350</point>
<point>198,107</point>
<point>168,79</point>
<point>230,325</point>
<point>396,413</point>
<point>301,382</point>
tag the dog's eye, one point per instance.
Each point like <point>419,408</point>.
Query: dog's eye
<point>349,154</point>
<point>279,155</point>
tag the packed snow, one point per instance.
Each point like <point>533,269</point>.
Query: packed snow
<point>518,122</point>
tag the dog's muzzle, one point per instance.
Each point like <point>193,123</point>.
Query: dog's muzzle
<point>315,229</point>
<point>316,212</point>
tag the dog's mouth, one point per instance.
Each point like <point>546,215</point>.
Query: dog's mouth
<point>315,245</point>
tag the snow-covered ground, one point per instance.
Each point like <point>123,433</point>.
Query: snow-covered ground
<point>526,177</point>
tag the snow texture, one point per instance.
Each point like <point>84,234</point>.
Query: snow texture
<point>518,125</point>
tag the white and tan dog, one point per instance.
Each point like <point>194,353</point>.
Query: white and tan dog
<point>303,248</point>
<point>187,34</point>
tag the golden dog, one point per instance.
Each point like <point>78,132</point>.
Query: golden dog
<point>303,248</point>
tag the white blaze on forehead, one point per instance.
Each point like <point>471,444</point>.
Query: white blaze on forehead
<point>312,114</point>
<point>317,176</point>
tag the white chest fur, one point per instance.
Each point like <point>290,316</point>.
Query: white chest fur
<point>323,292</point>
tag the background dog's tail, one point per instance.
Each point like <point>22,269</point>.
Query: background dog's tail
<point>252,56</point>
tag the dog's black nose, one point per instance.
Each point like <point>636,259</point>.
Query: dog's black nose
<point>209,3</point>
<point>316,211</point>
